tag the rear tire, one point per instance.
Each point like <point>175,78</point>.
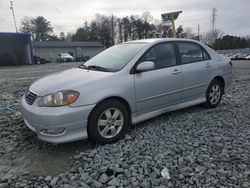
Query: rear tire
<point>108,122</point>
<point>214,94</point>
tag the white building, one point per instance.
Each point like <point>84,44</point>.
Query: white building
<point>49,50</point>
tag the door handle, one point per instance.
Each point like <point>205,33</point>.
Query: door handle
<point>176,71</point>
<point>208,65</point>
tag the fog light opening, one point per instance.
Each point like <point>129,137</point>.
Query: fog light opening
<point>53,131</point>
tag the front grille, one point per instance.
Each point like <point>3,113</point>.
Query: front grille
<point>30,97</point>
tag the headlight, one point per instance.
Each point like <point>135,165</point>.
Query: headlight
<point>59,98</point>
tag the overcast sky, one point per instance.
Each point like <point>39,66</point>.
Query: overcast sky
<point>233,16</point>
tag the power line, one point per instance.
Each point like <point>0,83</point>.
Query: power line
<point>54,17</point>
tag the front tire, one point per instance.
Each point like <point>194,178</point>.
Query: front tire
<point>108,122</point>
<point>214,94</point>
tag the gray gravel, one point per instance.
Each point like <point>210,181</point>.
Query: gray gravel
<point>200,147</point>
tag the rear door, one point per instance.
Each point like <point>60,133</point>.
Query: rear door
<point>161,87</point>
<point>197,68</point>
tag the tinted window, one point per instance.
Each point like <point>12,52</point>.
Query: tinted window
<point>163,55</point>
<point>190,52</point>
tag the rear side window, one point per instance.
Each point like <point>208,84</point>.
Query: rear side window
<point>163,55</point>
<point>205,55</point>
<point>190,52</point>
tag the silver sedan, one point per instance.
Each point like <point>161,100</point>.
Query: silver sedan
<point>125,84</point>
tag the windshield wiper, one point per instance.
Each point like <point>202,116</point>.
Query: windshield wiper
<point>82,66</point>
<point>96,67</point>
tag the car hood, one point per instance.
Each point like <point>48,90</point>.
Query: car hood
<point>68,79</point>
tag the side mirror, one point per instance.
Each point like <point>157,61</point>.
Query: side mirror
<point>145,66</point>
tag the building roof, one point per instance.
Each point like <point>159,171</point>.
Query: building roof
<point>44,44</point>
<point>9,34</point>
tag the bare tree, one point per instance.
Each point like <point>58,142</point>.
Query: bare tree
<point>27,26</point>
<point>189,33</point>
<point>210,37</point>
<point>147,17</point>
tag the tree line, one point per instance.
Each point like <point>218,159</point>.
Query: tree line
<point>110,30</point>
<point>106,29</point>
<point>231,42</point>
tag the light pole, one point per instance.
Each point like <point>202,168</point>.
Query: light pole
<point>12,9</point>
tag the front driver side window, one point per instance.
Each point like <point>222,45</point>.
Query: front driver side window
<point>150,55</point>
<point>163,55</point>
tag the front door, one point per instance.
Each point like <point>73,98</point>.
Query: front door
<point>161,87</point>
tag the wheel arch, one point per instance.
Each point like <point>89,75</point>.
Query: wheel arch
<point>120,99</point>
<point>221,80</point>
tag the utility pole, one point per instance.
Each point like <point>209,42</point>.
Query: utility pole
<point>12,9</point>
<point>112,30</point>
<point>213,18</point>
<point>198,32</point>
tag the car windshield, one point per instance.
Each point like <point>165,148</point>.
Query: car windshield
<point>116,57</point>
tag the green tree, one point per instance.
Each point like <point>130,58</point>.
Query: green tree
<point>139,28</point>
<point>53,38</point>
<point>126,28</point>
<point>62,36</point>
<point>94,32</point>
<point>179,31</point>
<point>230,42</point>
<point>120,36</point>
<point>68,37</point>
<point>42,28</point>
<point>100,29</point>
<point>82,33</point>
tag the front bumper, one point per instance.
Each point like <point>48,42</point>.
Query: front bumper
<point>71,120</point>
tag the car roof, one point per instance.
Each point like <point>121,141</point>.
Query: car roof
<point>155,40</point>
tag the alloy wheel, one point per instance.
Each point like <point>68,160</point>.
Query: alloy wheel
<point>215,94</point>
<point>110,122</point>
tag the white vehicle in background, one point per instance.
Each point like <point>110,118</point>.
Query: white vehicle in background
<point>64,57</point>
<point>228,55</point>
<point>235,56</point>
<point>247,57</point>
<point>241,56</point>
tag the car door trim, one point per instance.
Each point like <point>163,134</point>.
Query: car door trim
<point>192,87</point>
<point>136,118</point>
<point>160,95</point>
<point>171,92</point>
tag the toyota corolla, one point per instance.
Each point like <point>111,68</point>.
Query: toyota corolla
<point>125,84</point>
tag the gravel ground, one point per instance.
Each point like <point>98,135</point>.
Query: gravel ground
<point>199,147</point>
